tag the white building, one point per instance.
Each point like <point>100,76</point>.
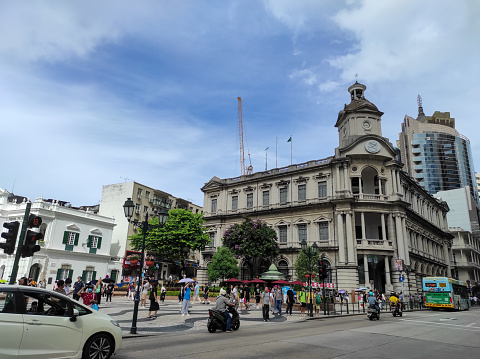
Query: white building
<point>76,242</point>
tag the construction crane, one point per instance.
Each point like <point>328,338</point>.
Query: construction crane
<point>240,134</point>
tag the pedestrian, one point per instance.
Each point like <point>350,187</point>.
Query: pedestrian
<point>109,291</point>
<point>154,307</point>
<point>241,292</point>
<point>302,298</point>
<point>279,299</point>
<point>186,299</point>
<point>68,285</point>
<point>180,295</point>
<point>131,291</point>
<point>246,296</point>
<point>60,289</point>
<point>163,293</point>
<point>235,295</point>
<point>98,290</point>
<point>87,294</point>
<point>258,292</point>
<point>196,293</point>
<point>290,300</point>
<point>146,287</point>
<point>318,301</point>
<point>205,294</point>
<point>265,297</point>
<point>77,286</point>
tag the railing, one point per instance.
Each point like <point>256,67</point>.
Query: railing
<point>374,243</point>
<point>370,197</point>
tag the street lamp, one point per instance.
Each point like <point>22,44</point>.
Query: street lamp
<point>310,252</point>
<point>128,208</point>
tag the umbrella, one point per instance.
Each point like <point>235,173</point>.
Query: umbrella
<point>256,280</point>
<point>361,289</point>
<point>342,291</point>
<point>297,282</point>
<point>186,280</point>
<point>233,280</point>
<point>108,280</point>
<point>280,281</point>
<point>94,281</point>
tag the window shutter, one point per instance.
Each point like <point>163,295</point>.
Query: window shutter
<point>89,242</point>
<point>65,237</point>
<point>76,239</point>
<point>99,243</point>
<point>84,276</point>
<point>70,273</point>
<point>94,276</point>
<point>59,274</point>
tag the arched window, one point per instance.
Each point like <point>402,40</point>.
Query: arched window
<point>283,267</point>
<point>245,271</point>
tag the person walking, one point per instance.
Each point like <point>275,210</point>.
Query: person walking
<point>196,293</point>
<point>290,300</point>
<point>258,292</point>
<point>146,287</point>
<point>205,294</point>
<point>302,298</point>
<point>98,291</point>
<point>241,292</point>
<point>77,286</point>
<point>265,297</point>
<point>154,307</point>
<point>279,299</point>
<point>163,293</point>
<point>109,292</point>
<point>186,299</point>
<point>246,296</point>
<point>131,291</point>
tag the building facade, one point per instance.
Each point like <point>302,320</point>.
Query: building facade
<point>147,200</point>
<point>463,221</point>
<point>363,211</point>
<point>436,154</point>
<point>76,242</point>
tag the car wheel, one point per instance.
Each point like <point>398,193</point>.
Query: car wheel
<point>99,346</point>
<point>236,325</point>
<point>371,318</point>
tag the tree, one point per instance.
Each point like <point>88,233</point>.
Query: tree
<point>251,241</point>
<point>183,229</point>
<point>301,265</point>
<point>223,265</point>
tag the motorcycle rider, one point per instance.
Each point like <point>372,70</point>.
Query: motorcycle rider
<point>372,301</point>
<point>395,301</point>
<point>221,305</point>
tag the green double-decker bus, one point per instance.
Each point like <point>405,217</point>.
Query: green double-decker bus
<point>443,292</point>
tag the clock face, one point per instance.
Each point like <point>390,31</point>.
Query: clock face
<point>366,125</point>
<point>372,146</point>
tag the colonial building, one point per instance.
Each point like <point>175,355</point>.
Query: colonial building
<point>147,200</point>
<point>363,211</point>
<point>76,242</point>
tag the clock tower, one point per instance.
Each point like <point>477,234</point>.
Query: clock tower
<point>359,118</point>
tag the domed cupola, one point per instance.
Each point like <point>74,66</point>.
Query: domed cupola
<point>359,118</point>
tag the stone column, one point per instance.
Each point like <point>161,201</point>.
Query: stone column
<point>365,267</point>
<point>362,217</point>
<point>405,241</point>
<point>399,185</point>
<point>345,177</point>
<point>337,177</point>
<point>447,259</point>
<point>399,235</point>
<point>384,231</point>
<point>388,280</point>
<point>350,240</point>
<point>341,239</point>
<point>394,181</point>
<point>379,186</point>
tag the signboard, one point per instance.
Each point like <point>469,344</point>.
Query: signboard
<point>320,285</point>
<point>437,298</point>
<point>399,264</point>
<point>401,279</point>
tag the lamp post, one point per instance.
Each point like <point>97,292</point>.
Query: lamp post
<point>310,252</point>
<point>128,208</point>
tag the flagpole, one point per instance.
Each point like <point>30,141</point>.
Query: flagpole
<point>276,153</point>
<point>291,150</point>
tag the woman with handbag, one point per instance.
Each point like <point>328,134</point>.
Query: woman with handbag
<point>154,307</point>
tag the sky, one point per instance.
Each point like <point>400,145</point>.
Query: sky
<point>95,93</point>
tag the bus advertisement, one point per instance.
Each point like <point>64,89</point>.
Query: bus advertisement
<point>443,292</point>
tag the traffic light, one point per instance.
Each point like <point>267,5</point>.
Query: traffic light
<point>322,269</point>
<point>30,245</point>
<point>10,236</point>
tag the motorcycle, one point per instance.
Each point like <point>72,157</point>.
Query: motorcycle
<point>217,320</point>
<point>395,308</point>
<point>373,313</point>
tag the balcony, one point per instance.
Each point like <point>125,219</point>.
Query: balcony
<point>374,244</point>
<point>370,197</point>
<point>209,250</point>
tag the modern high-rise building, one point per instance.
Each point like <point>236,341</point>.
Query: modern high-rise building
<point>436,154</point>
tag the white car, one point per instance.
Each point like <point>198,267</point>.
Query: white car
<point>38,323</point>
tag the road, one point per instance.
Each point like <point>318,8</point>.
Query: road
<point>424,334</point>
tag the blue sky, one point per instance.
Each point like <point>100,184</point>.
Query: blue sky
<point>95,91</point>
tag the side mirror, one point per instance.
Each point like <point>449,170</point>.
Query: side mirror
<point>74,316</point>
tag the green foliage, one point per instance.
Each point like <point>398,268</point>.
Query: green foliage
<point>251,239</point>
<point>223,265</point>
<point>182,229</point>
<point>301,265</point>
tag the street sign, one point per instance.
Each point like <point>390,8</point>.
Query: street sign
<point>401,279</point>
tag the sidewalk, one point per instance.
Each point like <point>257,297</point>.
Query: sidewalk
<point>169,318</point>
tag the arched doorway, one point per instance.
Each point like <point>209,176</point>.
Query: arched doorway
<point>34,272</point>
<point>245,271</point>
<point>283,267</point>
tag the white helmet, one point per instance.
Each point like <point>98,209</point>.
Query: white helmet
<point>223,292</point>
